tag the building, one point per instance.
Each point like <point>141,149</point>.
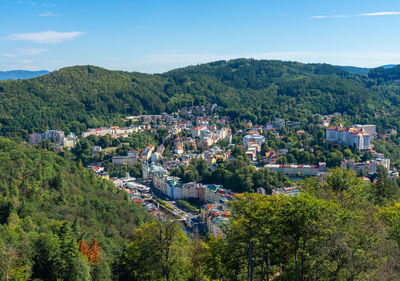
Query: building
<point>130,159</point>
<point>174,187</point>
<point>279,123</point>
<point>205,134</point>
<point>35,138</point>
<point>147,151</point>
<point>252,151</point>
<point>304,170</point>
<point>371,167</point>
<point>69,142</point>
<point>96,149</point>
<point>215,216</point>
<point>113,131</point>
<point>56,135</point>
<point>190,190</point>
<point>178,150</point>
<point>156,156</point>
<point>270,157</point>
<point>196,131</point>
<point>369,129</point>
<point>254,138</point>
<point>349,136</point>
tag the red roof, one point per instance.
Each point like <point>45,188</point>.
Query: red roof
<point>198,128</point>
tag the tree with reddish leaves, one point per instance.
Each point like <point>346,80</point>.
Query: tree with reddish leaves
<point>83,248</point>
<point>94,253</point>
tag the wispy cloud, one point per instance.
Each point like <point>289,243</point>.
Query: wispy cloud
<point>324,17</point>
<point>7,55</point>
<point>23,53</point>
<point>27,2</point>
<point>379,14</point>
<point>48,5</point>
<point>32,51</point>
<point>46,36</point>
<point>48,14</point>
<point>358,15</point>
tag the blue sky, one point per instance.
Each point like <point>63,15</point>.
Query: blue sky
<point>158,35</point>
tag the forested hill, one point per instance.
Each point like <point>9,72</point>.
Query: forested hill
<point>48,207</point>
<point>74,98</point>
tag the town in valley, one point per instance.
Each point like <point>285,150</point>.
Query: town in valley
<point>161,173</point>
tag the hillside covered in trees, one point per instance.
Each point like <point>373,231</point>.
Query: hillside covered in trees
<point>75,98</point>
<point>54,213</point>
<point>60,222</point>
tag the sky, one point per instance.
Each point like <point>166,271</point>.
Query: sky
<point>155,36</point>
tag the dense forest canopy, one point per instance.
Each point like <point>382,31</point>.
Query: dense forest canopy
<point>75,98</point>
<point>48,205</point>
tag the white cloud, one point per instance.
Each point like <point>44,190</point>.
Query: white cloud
<point>379,14</point>
<point>359,15</point>
<point>27,2</point>
<point>324,17</point>
<point>48,5</point>
<point>48,14</point>
<point>46,36</point>
<point>26,61</point>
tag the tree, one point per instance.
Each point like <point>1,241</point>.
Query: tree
<point>385,190</point>
<point>366,156</point>
<point>80,270</point>
<point>47,261</point>
<point>341,180</point>
<point>158,252</point>
<point>83,248</point>
<point>10,262</point>
<point>94,253</point>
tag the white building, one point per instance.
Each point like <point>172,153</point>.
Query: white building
<point>69,142</point>
<point>349,136</point>
<point>254,138</point>
<point>369,129</point>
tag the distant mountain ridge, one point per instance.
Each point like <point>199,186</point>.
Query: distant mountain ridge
<point>355,69</point>
<point>363,70</point>
<point>21,74</point>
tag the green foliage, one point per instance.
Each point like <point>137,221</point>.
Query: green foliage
<point>158,251</point>
<point>184,204</point>
<point>165,204</point>
<point>47,204</point>
<point>238,175</point>
<point>88,96</point>
<point>136,141</point>
<point>342,180</point>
